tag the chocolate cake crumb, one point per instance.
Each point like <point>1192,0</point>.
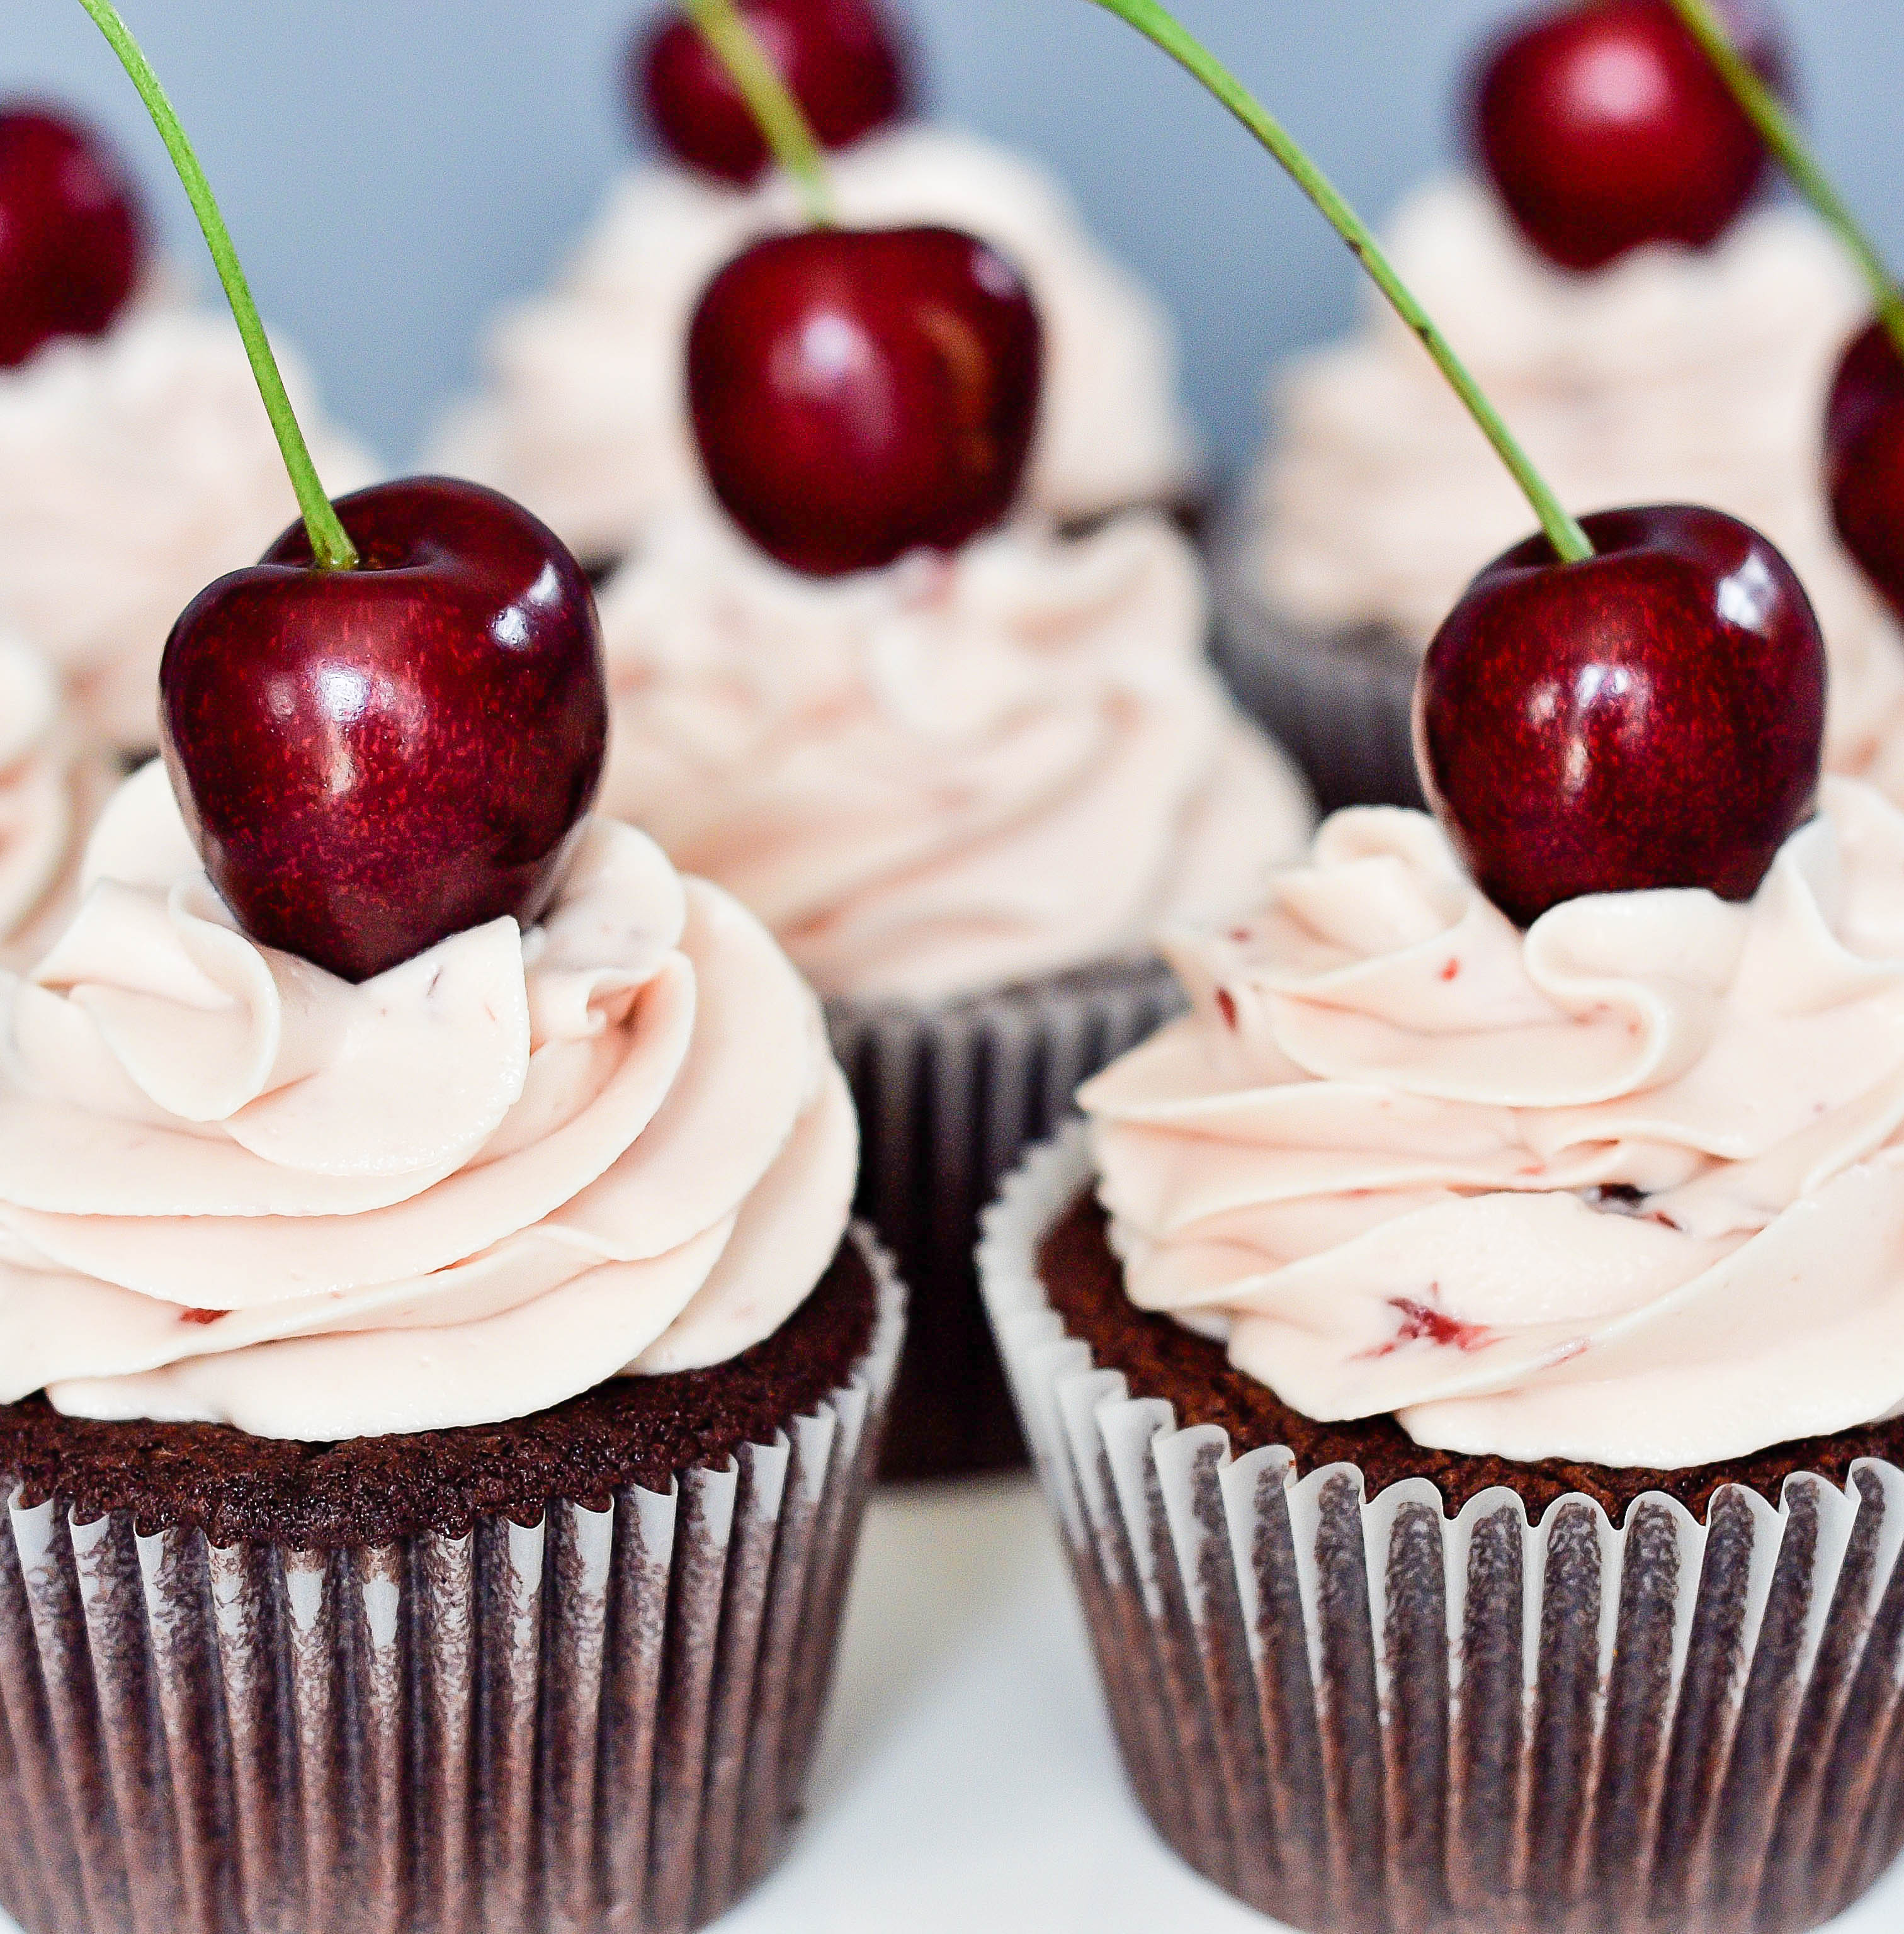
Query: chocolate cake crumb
<point>375,1490</point>
<point>1160,1358</point>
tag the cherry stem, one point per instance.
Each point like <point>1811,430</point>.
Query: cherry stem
<point>782,121</point>
<point>330,544</point>
<point>1157,26</point>
<point>1775,122</point>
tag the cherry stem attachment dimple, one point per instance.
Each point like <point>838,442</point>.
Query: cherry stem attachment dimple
<point>782,121</point>
<point>1776,124</point>
<point>1157,25</point>
<point>330,543</point>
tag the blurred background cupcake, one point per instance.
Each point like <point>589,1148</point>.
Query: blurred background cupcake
<point>963,764</point>
<point>581,413</point>
<point>1656,332</point>
<point>135,464</point>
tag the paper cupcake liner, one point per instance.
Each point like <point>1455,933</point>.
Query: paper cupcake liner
<point>949,1097</point>
<point>1358,1714</point>
<point>602,1721</point>
<point>1340,701</point>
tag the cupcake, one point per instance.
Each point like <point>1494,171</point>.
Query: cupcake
<point>54,780</point>
<point>1691,367</point>
<point>963,790</point>
<point>582,415</point>
<point>1464,1362</point>
<point>436,1411</point>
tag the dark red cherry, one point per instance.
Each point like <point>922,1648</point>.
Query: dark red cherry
<point>72,233</point>
<point>1652,717</point>
<point>842,59</point>
<point>860,393</point>
<point>1603,127</point>
<point>372,760</point>
<point>1864,458</point>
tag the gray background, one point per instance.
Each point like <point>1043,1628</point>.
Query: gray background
<point>393,168</point>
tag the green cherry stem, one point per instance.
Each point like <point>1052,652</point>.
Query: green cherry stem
<point>330,544</point>
<point>1157,26</point>
<point>1772,119</point>
<point>782,123</point>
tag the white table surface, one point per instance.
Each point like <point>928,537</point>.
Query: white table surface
<point>967,1784</point>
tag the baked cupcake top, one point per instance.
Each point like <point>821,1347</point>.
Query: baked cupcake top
<point>584,417</point>
<point>1627,1187</point>
<point>1673,375</point>
<point>135,469</point>
<point>949,776</point>
<point>238,1189</point>
<point>53,781</point>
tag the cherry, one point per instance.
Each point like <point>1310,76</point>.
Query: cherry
<point>371,759</point>
<point>72,233</point>
<point>860,393</point>
<point>842,60</point>
<point>1603,127</point>
<point>1651,716</point>
<point>1864,458</point>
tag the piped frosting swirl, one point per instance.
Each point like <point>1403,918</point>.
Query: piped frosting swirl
<point>235,1188</point>
<point>1627,1187</point>
<point>53,782</point>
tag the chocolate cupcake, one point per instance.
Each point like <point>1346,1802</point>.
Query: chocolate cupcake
<point>438,1412</point>
<point>1672,375</point>
<point>963,791</point>
<point>1469,1397</point>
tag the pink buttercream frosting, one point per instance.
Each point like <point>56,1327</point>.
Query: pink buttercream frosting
<point>53,781</point>
<point>583,416</point>
<point>133,470</point>
<point>234,1188</point>
<point>951,775</point>
<point>1676,375</point>
<point>1627,1187</point>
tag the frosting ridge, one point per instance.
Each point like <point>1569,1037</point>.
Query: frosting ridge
<point>53,781</point>
<point>1628,1187</point>
<point>950,775</point>
<point>238,1189</point>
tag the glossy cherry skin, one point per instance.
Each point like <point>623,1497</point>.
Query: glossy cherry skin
<point>1603,127</point>
<point>72,233</point>
<point>1652,717</point>
<point>372,760</point>
<point>860,393</point>
<point>842,60</point>
<point>1864,459</point>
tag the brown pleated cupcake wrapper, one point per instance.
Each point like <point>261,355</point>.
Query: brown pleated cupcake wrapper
<point>1340,702</point>
<point>949,1097</point>
<point>1358,1714</point>
<point>599,1722</point>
